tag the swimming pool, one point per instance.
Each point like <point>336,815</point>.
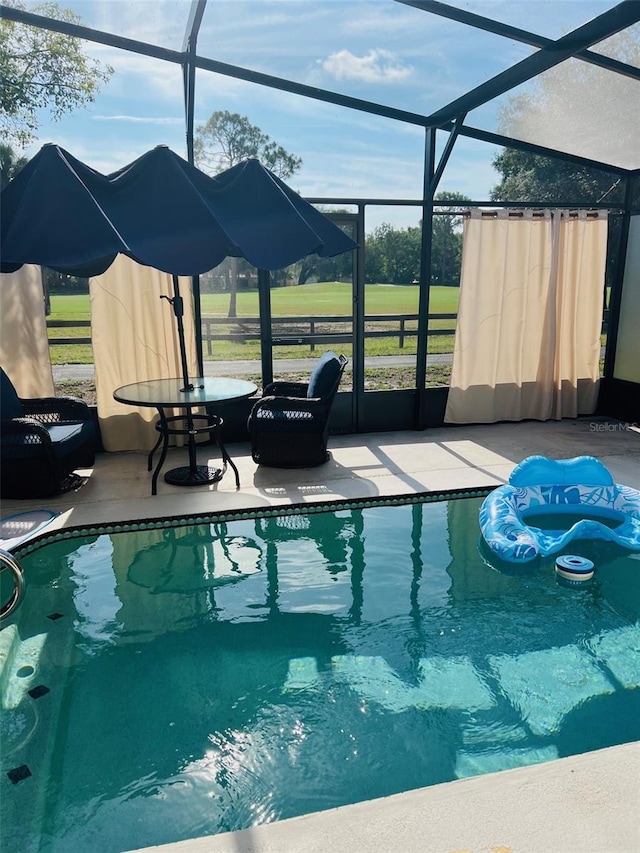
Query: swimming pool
<point>182,679</point>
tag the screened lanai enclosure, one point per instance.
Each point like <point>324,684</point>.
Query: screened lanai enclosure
<point>483,159</point>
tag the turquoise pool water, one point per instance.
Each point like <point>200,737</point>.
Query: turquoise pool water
<point>187,680</point>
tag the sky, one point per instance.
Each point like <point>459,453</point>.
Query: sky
<point>377,50</point>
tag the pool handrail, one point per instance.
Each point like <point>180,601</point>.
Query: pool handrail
<point>8,561</point>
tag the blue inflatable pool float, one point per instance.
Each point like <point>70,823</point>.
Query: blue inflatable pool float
<point>539,486</point>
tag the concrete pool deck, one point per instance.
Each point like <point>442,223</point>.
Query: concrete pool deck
<point>373,465</point>
<point>587,804</point>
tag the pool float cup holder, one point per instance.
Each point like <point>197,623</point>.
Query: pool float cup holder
<point>574,568</point>
<point>577,487</point>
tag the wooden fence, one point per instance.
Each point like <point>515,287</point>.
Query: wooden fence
<point>313,330</point>
<point>294,330</point>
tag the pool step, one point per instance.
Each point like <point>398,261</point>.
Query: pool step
<point>9,642</point>
<point>18,665</point>
<point>302,675</point>
<point>490,745</point>
<point>447,683</point>
<point>619,650</point>
<point>477,763</point>
<point>547,684</point>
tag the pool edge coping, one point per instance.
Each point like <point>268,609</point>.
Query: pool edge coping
<point>154,523</point>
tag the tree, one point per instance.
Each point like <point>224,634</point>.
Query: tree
<point>10,164</point>
<point>446,247</point>
<point>393,254</point>
<point>337,268</point>
<point>41,69</point>
<point>227,139</point>
<point>535,178</point>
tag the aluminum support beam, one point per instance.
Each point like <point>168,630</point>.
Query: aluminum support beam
<point>616,288</point>
<point>479,22</point>
<point>425,266</point>
<point>609,23</point>
<point>189,79</point>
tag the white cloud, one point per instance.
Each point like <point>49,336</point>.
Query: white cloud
<point>375,66</point>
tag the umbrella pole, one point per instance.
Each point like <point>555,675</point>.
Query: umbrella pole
<point>178,309</point>
<point>264,297</point>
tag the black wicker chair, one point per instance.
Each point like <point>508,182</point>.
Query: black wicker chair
<point>42,442</point>
<point>288,425</point>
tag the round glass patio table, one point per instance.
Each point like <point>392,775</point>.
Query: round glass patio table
<point>163,394</point>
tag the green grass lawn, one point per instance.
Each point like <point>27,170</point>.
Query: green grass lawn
<point>333,298</point>
<point>325,298</point>
<point>329,298</point>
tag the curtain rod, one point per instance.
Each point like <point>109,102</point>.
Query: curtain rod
<point>535,213</point>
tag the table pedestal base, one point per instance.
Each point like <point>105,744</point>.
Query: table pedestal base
<point>189,425</point>
<point>202,475</point>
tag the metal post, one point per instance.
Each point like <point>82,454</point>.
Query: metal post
<point>358,323</point>
<point>425,270</point>
<point>189,79</point>
<point>616,286</point>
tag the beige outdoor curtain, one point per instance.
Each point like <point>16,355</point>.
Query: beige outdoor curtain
<point>529,319</point>
<point>135,338</point>
<point>24,348</point>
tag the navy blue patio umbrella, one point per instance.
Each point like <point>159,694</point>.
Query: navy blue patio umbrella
<point>160,211</point>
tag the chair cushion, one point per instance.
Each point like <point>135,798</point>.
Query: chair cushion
<point>70,438</point>
<point>283,415</point>
<point>325,375</point>
<point>10,405</point>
